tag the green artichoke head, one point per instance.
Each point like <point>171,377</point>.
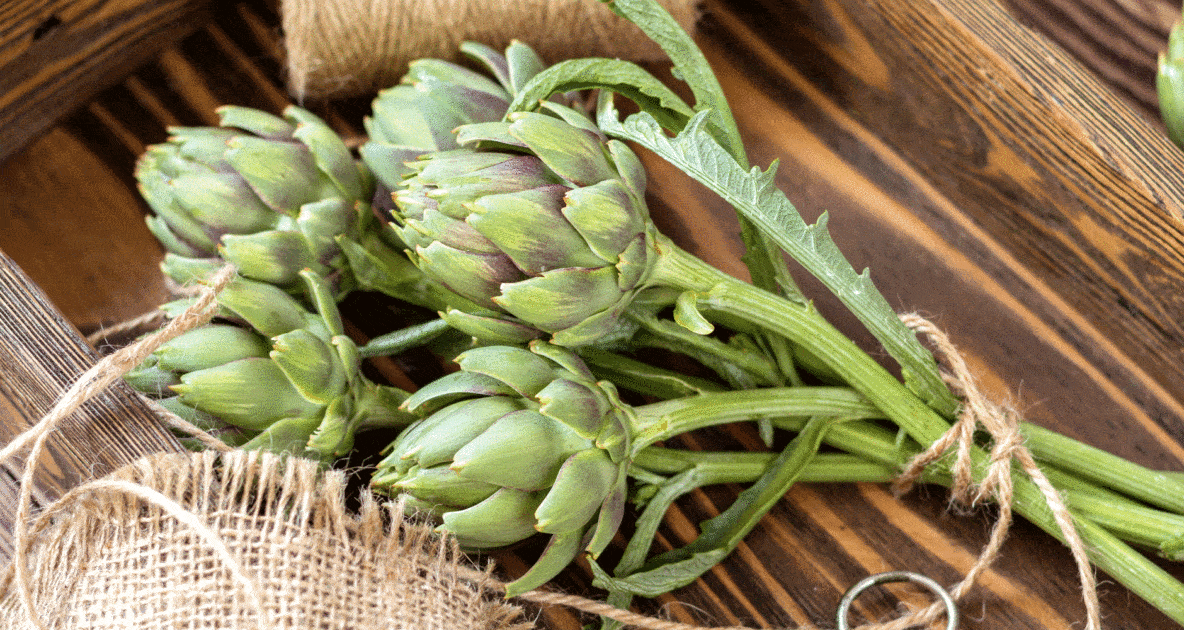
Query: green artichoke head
<point>544,224</point>
<point>275,377</point>
<point>273,195</point>
<point>519,441</point>
<point>1169,84</point>
<point>420,114</point>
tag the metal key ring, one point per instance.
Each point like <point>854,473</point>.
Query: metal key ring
<point>896,576</point>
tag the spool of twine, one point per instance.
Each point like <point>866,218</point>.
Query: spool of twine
<point>357,47</point>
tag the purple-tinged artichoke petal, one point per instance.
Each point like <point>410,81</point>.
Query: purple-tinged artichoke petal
<point>576,154</point>
<point>597,326</point>
<point>560,298</point>
<point>505,517</point>
<point>473,275</point>
<point>605,217</point>
<point>283,174</point>
<point>529,228</point>
<point>222,203</point>
<point>452,232</point>
<point>522,450</point>
<point>575,405</point>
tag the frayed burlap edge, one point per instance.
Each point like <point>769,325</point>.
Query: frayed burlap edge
<point>109,556</point>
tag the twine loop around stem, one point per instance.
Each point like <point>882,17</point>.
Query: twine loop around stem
<point>1002,424</point>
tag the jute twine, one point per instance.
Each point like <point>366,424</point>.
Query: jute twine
<point>176,500</point>
<point>357,47</point>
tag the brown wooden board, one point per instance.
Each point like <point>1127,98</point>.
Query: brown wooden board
<point>41,354</point>
<point>1000,183</point>
<point>56,54</point>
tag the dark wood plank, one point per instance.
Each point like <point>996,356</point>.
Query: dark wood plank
<point>57,54</point>
<point>40,356</point>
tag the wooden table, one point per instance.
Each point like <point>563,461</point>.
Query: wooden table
<point>998,167</point>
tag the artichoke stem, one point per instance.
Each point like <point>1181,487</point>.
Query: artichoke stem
<point>726,297</point>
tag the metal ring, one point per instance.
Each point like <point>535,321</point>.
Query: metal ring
<point>896,576</point>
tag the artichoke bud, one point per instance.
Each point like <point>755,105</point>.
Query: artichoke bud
<point>558,239</point>
<point>311,365</point>
<point>270,194</point>
<point>300,391</point>
<point>421,113</point>
<point>517,431</point>
<point>1169,84</point>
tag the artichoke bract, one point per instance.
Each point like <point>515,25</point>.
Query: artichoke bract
<point>421,113</point>
<point>519,441</point>
<point>548,231</point>
<point>281,379</point>
<point>273,196</point>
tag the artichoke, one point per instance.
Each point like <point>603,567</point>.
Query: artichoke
<point>1169,84</point>
<point>549,231</point>
<point>520,441</point>
<point>273,196</point>
<point>421,114</point>
<point>282,379</point>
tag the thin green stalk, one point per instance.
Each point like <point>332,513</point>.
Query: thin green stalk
<point>1105,469</point>
<point>403,339</point>
<point>666,419</point>
<point>716,467</point>
<point>743,370</point>
<point>805,327</point>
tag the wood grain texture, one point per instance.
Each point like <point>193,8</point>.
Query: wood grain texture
<point>41,354</point>
<point>986,177</point>
<point>56,54</point>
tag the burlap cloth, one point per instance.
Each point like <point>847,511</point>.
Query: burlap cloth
<point>103,558</point>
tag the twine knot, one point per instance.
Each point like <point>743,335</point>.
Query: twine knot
<point>1002,423</point>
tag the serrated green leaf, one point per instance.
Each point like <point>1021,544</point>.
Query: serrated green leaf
<point>625,78</point>
<point>755,194</point>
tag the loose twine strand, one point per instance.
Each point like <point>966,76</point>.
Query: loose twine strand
<point>1000,422</point>
<point>92,382</point>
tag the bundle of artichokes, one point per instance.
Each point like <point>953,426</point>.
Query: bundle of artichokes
<point>521,218</point>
